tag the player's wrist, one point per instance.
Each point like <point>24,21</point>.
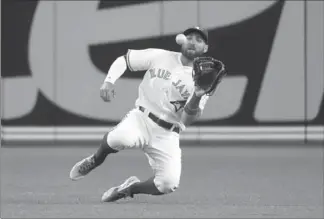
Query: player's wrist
<point>192,106</point>
<point>110,80</point>
<point>195,99</point>
<point>199,94</point>
<point>191,111</point>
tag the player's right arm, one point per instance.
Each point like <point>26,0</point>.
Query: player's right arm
<point>134,60</point>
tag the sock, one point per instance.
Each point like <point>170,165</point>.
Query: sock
<point>146,187</point>
<point>103,151</point>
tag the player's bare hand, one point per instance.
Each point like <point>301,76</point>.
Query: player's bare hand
<point>107,91</point>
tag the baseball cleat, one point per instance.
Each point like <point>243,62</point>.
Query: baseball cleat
<point>82,168</point>
<point>121,191</point>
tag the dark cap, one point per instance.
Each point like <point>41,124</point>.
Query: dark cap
<point>199,30</point>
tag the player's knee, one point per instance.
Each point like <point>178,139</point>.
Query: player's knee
<point>104,144</point>
<point>118,139</point>
<point>166,184</point>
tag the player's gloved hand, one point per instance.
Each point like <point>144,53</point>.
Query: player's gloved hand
<point>199,92</point>
<point>207,73</point>
<point>107,91</point>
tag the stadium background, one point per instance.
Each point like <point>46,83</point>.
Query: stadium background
<point>55,55</point>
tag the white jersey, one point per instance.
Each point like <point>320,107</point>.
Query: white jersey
<point>167,84</point>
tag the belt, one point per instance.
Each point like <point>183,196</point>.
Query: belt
<point>160,122</point>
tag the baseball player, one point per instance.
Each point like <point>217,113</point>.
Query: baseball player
<point>168,101</point>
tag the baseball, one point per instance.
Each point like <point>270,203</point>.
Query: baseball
<point>181,39</point>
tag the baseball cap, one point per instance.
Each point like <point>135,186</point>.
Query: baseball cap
<point>202,32</point>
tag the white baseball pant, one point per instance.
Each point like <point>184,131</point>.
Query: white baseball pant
<point>161,147</point>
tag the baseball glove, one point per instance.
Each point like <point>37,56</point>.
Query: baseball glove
<point>207,73</point>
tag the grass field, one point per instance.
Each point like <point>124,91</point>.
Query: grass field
<point>217,182</point>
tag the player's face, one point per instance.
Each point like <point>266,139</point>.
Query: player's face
<point>194,47</point>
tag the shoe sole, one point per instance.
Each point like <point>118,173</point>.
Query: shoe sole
<point>128,182</point>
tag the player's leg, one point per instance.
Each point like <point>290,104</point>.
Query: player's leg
<point>86,165</point>
<point>165,160</point>
<point>164,156</point>
<point>166,165</point>
<point>146,187</point>
<point>103,151</point>
<point>129,133</point>
<point>167,171</point>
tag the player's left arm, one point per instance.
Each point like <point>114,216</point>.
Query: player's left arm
<point>193,108</point>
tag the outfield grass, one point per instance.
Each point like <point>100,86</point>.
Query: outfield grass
<point>217,182</point>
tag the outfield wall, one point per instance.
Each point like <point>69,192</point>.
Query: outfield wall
<point>55,55</point>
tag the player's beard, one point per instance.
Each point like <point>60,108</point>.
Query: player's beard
<point>190,54</point>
